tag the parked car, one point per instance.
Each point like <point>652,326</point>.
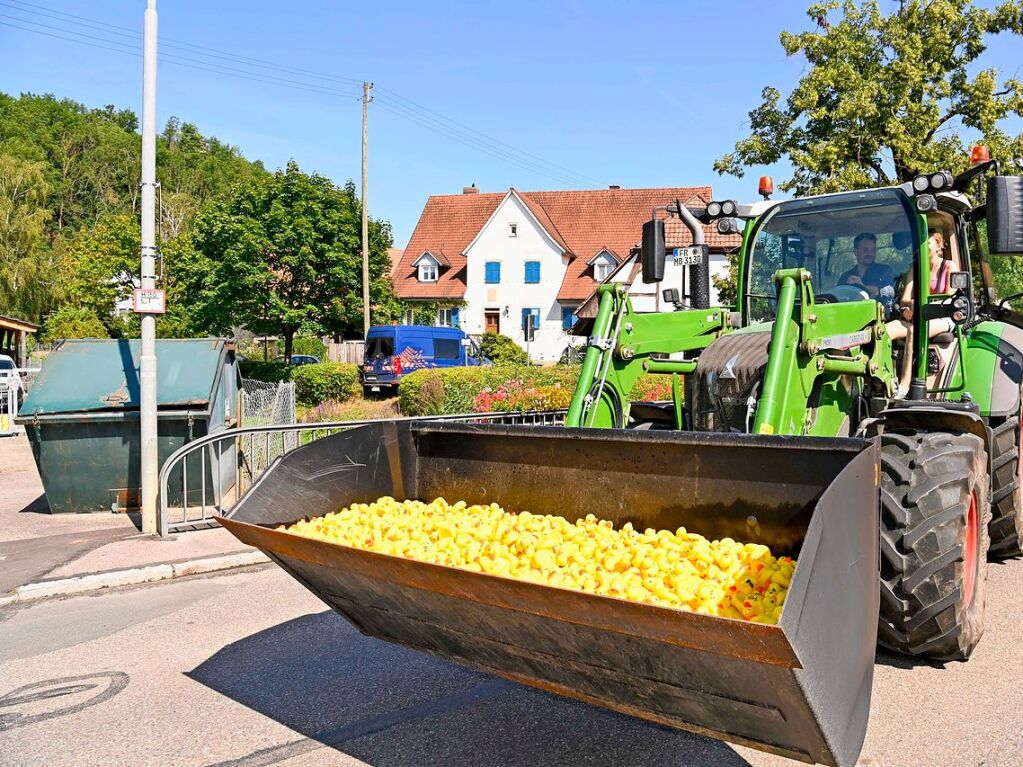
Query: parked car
<point>301,359</point>
<point>9,378</point>
<point>394,351</point>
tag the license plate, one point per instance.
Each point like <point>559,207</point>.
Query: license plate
<point>687,256</point>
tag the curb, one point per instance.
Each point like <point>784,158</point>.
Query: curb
<point>81,584</point>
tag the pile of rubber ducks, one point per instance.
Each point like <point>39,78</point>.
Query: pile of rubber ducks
<point>675,569</point>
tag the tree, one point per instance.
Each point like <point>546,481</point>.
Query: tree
<point>282,255</point>
<point>25,274</point>
<point>885,96</point>
<point>100,266</point>
<point>72,322</point>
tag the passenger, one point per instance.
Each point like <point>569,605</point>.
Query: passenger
<point>941,268</point>
<point>868,275</point>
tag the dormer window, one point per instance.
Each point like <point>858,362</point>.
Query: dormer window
<point>428,266</point>
<point>603,264</point>
<point>513,230</point>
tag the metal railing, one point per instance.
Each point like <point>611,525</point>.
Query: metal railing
<point>223,466</point>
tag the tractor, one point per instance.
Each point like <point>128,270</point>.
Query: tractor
<point>843,413</point>
<point>815,347</point>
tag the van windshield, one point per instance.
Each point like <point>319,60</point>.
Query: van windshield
<point>379,347</point>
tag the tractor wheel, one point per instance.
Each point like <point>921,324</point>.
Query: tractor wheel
<point>935,508</point>
<point>1006,528</point>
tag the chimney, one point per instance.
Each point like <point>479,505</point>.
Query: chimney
<point>470,189</point>
<point>614,186</point>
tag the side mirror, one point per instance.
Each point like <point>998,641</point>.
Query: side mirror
<point>651,254</point>
<point>1005,215</point>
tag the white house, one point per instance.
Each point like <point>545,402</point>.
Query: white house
<point>492,261</point>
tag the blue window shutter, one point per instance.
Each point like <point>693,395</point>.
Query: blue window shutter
<point>493,275</point>
<point>454,316</point>
<point>567,317</point>
<point>532,272</point>
<point>525,313</point>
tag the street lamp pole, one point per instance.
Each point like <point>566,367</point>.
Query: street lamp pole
<point>147,361</point>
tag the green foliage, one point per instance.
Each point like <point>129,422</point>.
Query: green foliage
<point>271,372</point>
<point>326,381</point>
<point>77,216</point>
<point>310,345</point>
<point>726,285</point>
<point>72,322</point>
<point>24,263</point>
<point>440,391</point>
<point>501,350</point>
<point>885,96</point>
<point>282,255</point>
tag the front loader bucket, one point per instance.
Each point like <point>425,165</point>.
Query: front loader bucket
<point>801,688</point>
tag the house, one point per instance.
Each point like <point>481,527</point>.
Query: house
<point>495,261</point>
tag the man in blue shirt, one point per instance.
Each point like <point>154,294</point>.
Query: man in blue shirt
<point>868,275</point>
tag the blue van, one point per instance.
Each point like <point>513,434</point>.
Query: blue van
<point>393,351</point>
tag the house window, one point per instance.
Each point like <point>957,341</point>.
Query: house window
<point>410,317</point>
<point>493,275</point>
<point>526,314</point>
<point>532,272</point>
<point>513,230</point>
<point>568,317</point>
<point>447,317</point>
<point>427,272</point>
<point>600,271</point>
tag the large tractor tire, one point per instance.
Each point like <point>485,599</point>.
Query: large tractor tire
<point>1006,528</point>
<point>935,509</point>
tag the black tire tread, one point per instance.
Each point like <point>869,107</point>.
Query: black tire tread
<point>924,478</point>
<point>1006,528</point>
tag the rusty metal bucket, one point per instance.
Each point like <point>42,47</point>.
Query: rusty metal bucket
<point>800,689</point>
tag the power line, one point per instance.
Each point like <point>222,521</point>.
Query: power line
<point>171,42</point>
<point>174,60</point>
<point>397,104</point>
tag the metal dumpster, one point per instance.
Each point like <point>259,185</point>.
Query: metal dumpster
<point>801,688</point>
<point>82,417</point>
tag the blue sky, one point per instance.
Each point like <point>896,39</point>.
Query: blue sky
<point>633,94</point>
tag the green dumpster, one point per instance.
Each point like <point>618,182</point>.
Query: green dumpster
<point>82,418</point>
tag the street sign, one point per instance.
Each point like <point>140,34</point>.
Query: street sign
<point>688,256</point>
<point>149,301</point>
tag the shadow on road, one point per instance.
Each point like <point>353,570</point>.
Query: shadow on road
<point>387,705</point>
<point>38,506</point>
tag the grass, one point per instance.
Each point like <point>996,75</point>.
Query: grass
<point>353,410</point>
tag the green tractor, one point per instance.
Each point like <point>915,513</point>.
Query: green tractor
<point>850,323</point>
<point>845,413</point>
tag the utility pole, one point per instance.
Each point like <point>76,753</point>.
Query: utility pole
<point>147,361</point>
<point>366,98</point>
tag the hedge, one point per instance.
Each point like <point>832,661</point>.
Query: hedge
<point>271,372</point>
<point>324,381</point>
<point>446,391</point>
<point>454,390</point>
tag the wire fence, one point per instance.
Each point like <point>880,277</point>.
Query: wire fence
<point>267,404</point>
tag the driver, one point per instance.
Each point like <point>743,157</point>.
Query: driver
<point>868,275</point>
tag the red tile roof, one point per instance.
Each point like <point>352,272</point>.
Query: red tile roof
<point>395,255</point>
<point>581,222</point>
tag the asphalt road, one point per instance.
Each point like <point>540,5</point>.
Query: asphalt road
<point>248,669</point>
